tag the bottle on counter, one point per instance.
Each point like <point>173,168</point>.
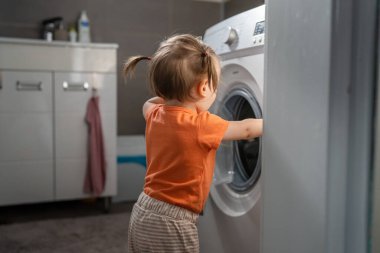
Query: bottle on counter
<point>84,28</point>
<point>73,35</point>
<point>60,32</point>
<point>48,27</point>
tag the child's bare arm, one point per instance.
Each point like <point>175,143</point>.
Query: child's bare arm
<point>150,103</point>
<point>244,130</point>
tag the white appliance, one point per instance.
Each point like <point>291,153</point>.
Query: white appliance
<point>131,167</point>
<point>231,219</point>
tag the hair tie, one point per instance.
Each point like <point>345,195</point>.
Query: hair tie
<point>204,54</point>
<point>204,59</point>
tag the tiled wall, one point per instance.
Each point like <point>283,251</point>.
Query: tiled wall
<point>234,7</point>
<point>136,25</point>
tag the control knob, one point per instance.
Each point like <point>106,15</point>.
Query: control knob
<point>231,36</point>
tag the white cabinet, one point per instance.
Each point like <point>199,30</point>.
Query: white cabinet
<point>71,99</point>
<point>43,133</point>
<point>26,137</point>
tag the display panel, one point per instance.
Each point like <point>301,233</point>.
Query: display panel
<point>259,28</point>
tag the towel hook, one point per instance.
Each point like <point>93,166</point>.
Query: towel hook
<point>94,92</point>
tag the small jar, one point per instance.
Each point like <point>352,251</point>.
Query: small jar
<point>73,35</point>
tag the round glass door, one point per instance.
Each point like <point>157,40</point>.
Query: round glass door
<point>238,105</point>
<point>236,186</point>
<point>246,154</point>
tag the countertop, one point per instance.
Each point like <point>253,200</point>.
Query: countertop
<point>57,43</point>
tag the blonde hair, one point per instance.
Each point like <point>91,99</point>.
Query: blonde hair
<point>179,64</point>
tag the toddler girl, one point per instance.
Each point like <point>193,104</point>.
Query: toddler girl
<point>181,142</point>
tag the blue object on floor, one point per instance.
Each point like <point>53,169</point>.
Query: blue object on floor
<point>139,159</point>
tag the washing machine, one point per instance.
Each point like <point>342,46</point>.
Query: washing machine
<point>231,217</point>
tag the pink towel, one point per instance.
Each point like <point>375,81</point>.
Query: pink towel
<point>96,165</point>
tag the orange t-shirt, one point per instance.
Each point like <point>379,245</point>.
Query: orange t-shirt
<point>181,147</point>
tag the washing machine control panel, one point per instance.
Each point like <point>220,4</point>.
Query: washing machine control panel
<point>243,31</point>
<point>258,34</point>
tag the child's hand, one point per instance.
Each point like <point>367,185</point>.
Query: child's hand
<point>244,129</point>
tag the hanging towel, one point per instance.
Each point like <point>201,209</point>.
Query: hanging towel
<point>96,164</point>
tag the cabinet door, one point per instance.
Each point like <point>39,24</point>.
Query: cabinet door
<point>26,137</point>
<point>26,181</point>
<point>72,93</point>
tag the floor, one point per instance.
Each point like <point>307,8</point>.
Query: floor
<point>59,210</point>
<point>62,227</point>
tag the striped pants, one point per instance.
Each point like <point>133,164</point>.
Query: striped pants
<point>157,226</point>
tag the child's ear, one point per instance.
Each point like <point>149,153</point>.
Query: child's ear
<point>202,88</point>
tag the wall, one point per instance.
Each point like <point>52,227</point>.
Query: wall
<point>376,179</point>
<point>234,7</point>
<point>318,123</point>
<point>296,126</point>
<point>136,25</point>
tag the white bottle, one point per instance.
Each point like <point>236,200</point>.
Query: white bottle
<point>84,28</point>
<point>73,34</point>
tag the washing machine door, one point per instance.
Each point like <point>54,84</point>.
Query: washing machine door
<point>236,186</point>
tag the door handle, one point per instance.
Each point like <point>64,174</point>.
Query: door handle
<point>75,86</point>
<point>23,86</point>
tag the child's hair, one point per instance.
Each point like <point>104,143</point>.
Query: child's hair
<point>180,62</point>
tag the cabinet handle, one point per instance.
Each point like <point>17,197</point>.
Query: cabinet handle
<point>1,82</point>
<point>28,86</point>
<point>75,86</point>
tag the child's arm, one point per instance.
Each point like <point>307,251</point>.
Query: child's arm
<point>150,103</point>
<point>244,129</point>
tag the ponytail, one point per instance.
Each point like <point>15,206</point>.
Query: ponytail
<point>130,65</point>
